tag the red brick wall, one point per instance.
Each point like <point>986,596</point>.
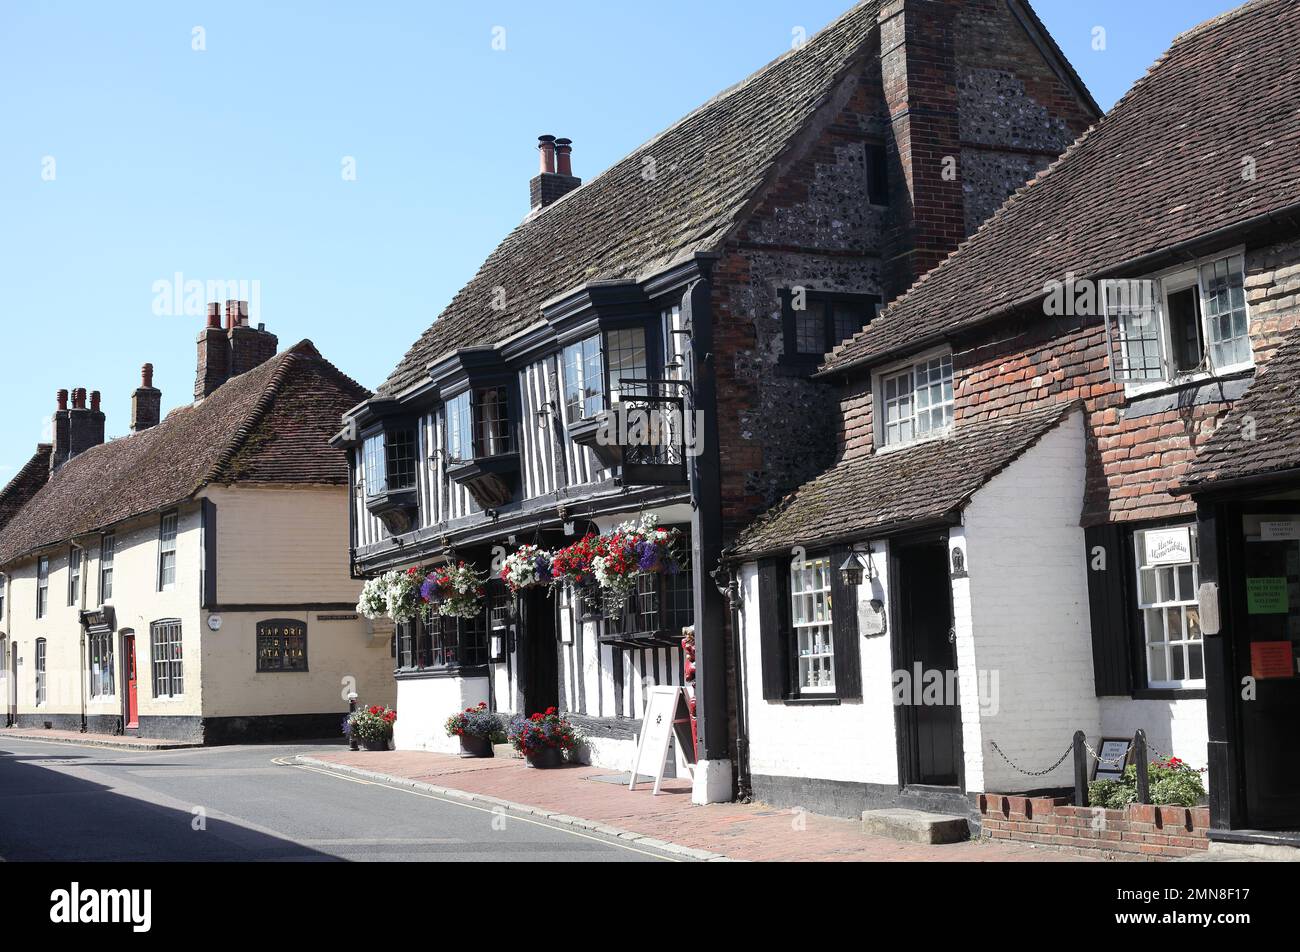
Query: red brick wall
<point>1139,831</point>
<point>1135,457</point>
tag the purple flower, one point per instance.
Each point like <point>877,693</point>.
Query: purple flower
<point>542,566</point>
<point>647,556</point>
<point>429,589</point>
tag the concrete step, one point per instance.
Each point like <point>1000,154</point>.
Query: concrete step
<point>1248,853</point>
<point>915,826</point>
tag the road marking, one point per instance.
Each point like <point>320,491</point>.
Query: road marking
<point>473,806</point>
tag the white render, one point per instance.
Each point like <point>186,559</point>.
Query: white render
<point>1024,649</point>
<point>423,706</point>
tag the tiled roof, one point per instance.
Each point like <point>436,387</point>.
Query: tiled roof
<point>1270,442</point>
<point>270,425</point>
<point>622,224</point>
<point>899,488</point>
<point>1164,167</point>
<point>26,484</point>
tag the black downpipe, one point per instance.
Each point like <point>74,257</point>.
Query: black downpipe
<point>744,788</point>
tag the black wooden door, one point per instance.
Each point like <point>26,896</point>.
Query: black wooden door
<point>1267,644</point>
<point>931,715</point>
<point>541,674</point>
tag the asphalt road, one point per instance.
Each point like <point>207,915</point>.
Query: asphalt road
<point>60,802</point>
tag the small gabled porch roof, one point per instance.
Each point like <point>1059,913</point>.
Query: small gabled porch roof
<point>886,492</point>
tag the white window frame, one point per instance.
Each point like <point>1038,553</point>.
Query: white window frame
<point>1187,608</point>
<point>76,568</point>
<point>4,592</point>
<point>102,676</point>
<point>811,621</point>
<point>42,586</point>
<point>167,545</point>
<point>1174,279</point>
<point>107,558</point>
<point>880,406</point>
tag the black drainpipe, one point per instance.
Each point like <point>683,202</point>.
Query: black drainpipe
<point>744,789</point>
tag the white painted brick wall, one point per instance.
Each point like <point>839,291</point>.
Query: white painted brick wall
<point>852,741</point>
<point>1028,596</point>
<point>423,706</point>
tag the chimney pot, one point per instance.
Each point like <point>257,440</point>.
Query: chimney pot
<point>79,398</point>
<point>95,398</point>
<point>564,153</point>
<point>146,377</point>
<point>214,314</point>
<point>546,146</point>
<point>62,400</point>
<point>236,314</point>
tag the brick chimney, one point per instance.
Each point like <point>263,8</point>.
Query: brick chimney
<point>59,455</point>
<point>77,428</point>
<point>234,350</point>
<point>146,403</point>
<point>918,69</point>
<point>250,347</point>
<point>555,178</point>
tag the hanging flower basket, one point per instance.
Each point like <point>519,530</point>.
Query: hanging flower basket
<point>527,567</point>
<point>455,590</point>
<point>394,595</point>
<point>572,564</point>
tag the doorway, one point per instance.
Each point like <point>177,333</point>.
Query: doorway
<point>1266,643</point>
<point>132,714</point>
<point>539,679</point>
<point>925,651</point>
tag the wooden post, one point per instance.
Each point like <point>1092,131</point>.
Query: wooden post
<point>1140,759</point>
<point>1080,769</point>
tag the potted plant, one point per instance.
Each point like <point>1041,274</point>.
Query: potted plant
<point>457,590</point>
<point>476,727</point>
<point>373,726</point>
<point>542,738</point>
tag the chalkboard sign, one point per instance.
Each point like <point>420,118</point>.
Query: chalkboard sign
<point>667,715</point>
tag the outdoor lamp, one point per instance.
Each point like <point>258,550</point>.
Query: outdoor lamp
<point>851,570</point>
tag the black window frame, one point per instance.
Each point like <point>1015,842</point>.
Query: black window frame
<point>424,645</point>
<point>659,608</point>
<point>825,302</point>
<point>267,637</point>
<point>167,667</point>
<point>400,457</point>
<point>779,643</point>
<point>468,409</point>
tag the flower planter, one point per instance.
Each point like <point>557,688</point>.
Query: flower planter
<point>375,744</point>
<point>471,745</point>
<point>548,758</point>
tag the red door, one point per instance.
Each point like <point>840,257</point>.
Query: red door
<point>132,701</point>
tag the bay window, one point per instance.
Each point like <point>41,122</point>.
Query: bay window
<point>390,456</point>
<point>478,424</point>
<point>916,401</point>
<point>584,380</point>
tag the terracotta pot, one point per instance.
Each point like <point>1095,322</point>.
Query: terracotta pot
<point>375,744</point>
<point>471,745</point>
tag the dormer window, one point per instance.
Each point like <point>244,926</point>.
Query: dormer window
<point>1183,324</point>
<point>915,400</point>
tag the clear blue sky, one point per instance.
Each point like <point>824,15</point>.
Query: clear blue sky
<point>227,163</point>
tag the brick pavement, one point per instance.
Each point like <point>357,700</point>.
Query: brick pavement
<point>735,830</point>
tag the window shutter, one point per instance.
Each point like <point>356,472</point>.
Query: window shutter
<point>773,628</point>
<point>844,623</point>
<point>1108,609</point>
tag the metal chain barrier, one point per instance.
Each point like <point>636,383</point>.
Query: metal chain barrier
<point>1031,773</point>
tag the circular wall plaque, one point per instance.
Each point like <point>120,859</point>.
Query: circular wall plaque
<point>214,622</point>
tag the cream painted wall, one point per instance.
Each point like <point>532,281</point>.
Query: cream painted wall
<point>138,604</point>
<point>423,706</point>
<point>282,545</point>
<point>341,656</point>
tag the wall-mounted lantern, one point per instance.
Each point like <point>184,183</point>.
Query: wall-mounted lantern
<point>860,561</point>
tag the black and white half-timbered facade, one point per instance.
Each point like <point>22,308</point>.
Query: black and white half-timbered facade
<point>699,283</point>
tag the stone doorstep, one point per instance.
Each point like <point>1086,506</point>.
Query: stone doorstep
<point>562,819</point>
<point>109,741</point>
<point>915,826</point>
